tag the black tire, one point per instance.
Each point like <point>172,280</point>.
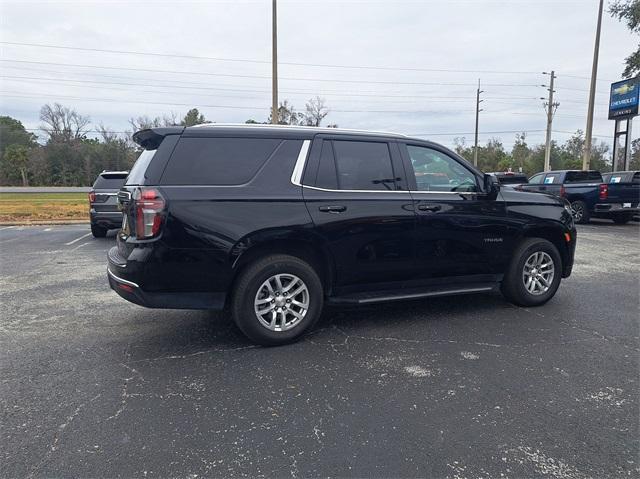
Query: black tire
<point>513,284</point>
<point>581,213</point>
<point>98,231</point>
<point>622,219</point>
<point>250,282</point>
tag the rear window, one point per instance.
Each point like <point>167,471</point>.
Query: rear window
<point>512,179</point>
<point>136,175</point>
<point>217,161</point>
<point>109,182</point>
<point>583,177</point>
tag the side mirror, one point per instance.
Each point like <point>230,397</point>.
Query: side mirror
<point>491,186</point>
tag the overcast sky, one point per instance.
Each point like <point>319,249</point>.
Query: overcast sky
<point>507,44</point>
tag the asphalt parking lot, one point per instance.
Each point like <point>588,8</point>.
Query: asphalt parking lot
<point>465,387</point>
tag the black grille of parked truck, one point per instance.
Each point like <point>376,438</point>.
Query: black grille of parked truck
<point>274,222</point>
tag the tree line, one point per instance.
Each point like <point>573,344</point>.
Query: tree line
<point>66,155</point>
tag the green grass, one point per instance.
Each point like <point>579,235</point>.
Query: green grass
<point>38,207</point>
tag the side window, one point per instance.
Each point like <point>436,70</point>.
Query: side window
<point>536,179</point>
<point>636,178</point>
<point>327,177</point>
<point>553,179</point>
<point>217,161</point>
<point>363,165</point>
<point>436,171</point>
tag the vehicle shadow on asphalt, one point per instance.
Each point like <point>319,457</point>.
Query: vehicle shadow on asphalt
<point>181,334</point>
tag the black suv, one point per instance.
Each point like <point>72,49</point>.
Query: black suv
<point>103,204</point>
<point>272,222</point>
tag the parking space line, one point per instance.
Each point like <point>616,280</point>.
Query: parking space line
<point>47,229</point>
<point>77,239</point>
<point>7,228</point>
<point>80,246</point>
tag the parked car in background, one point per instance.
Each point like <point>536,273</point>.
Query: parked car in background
<point>583,189</point>
<point>623,197</point>
<point>272,222</point>
<point>509,178</point>
<point>103,202</point>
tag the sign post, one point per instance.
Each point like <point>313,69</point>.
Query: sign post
<point>623,106</point>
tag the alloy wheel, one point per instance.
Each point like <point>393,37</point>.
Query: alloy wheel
<point>538,273</point>
<point>281,302</point>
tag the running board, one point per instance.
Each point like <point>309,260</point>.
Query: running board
<point>414,293</point>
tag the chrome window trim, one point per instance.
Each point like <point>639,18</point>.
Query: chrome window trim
<point>298,169</point>
<point>120,280</point>
<point>395,191</point>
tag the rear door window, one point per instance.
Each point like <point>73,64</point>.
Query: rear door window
<point>327,176</point>
<point>363,165</point>
<point>217,161</point>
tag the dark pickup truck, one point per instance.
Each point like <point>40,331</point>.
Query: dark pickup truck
<point>589,193</point>
<point>623,197</point>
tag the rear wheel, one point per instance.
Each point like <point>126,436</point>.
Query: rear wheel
<point>534,274</point>
<point>98,231</point>
<point>580,212</point>
<point>277,299</point>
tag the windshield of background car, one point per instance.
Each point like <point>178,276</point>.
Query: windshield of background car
<point>136,176</point>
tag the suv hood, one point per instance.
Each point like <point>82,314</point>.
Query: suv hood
<point>512,195</point>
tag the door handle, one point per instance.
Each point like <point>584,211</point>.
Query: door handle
<point>432,208</point>
<point>332,209</point>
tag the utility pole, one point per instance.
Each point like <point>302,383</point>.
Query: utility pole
<point>586,159</point>
<point>274,64</point>
<point>478,110</point>
<point>550,107</point>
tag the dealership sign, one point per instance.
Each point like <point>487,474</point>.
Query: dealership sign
<point>625,97</point>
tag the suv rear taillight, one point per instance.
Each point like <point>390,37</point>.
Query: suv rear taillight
<point>92,197</point>
<point>149,208</point>
<point>604,191</point>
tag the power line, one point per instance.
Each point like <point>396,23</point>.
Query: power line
<point>235,107</point>
<point>267,62</point>
<point>262,77</point>
<point>72,80</point>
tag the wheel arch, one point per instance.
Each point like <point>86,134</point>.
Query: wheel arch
<point>553,234</point>
<point>303,246</point>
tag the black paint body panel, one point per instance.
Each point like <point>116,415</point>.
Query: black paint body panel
<point>379,241</point>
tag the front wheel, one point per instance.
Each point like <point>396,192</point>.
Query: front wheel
<point>534,274</point>
<point>277,299</point>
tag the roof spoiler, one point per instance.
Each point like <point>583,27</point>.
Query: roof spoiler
<point>151,138</point>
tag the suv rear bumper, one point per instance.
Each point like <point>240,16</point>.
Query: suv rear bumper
<point>108,219</point>
<point>123,280</point>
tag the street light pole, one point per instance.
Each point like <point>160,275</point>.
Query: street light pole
<point>274,64</point>
<point>586,159</point>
